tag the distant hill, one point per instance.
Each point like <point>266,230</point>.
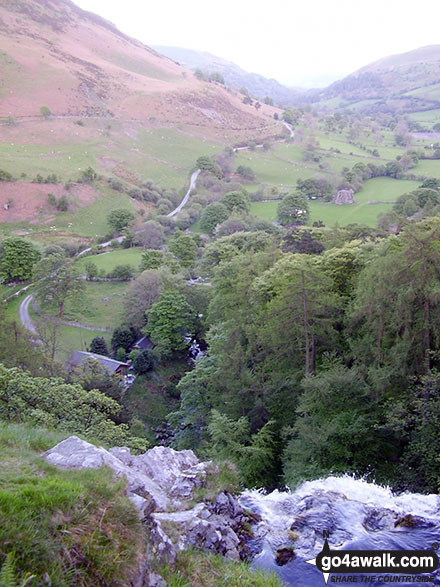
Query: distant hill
<point>54,54</point>
<point>234,76</point>
<point>407,82</point>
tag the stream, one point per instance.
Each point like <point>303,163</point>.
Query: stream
<point>358,515</point>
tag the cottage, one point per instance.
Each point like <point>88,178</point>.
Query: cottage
<point>79,358</point>
<point>143,344</point>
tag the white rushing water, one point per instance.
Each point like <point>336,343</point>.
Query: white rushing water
<point>357,514</point>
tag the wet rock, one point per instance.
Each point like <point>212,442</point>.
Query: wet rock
<point>284,554</point>
<point>377,520</point>
<point>410,521</point>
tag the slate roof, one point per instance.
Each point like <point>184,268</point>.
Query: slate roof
<point>144,343</point>
<point>79,357</point>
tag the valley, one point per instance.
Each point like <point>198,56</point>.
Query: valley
<point>205,260</point>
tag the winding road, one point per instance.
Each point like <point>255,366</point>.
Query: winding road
<point>23,314</point>
<point>23,311</point>
<point>192,185</point>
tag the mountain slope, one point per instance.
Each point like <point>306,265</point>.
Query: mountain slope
<point>54,54</point>
<point>399,83</point>
<point>234,76</point>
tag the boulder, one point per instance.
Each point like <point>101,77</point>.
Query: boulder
<point>74,453</point>
<point>161,476</point>
<point>284,554</point>
<point>159,484</point>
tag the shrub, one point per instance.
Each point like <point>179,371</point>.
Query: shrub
<point>5,175</point>
<point>122,272</point>
<point>120,219</point>
<point>143,362</point>
<point>52,199</point>
<point>62,204</point>
<point>45,111</point>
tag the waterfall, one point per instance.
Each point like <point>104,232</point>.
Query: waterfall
<point>356,514</point>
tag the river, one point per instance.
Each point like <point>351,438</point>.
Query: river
<point>357,514</point>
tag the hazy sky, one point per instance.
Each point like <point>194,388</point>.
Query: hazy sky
<point>307,42</point>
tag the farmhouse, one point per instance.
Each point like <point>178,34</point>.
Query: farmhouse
<point>78,358</point>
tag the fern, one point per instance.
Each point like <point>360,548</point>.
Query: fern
<point>7,574</point>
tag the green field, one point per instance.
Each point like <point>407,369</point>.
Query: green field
<point>92,220</point>
<point>382,189</point>
<point>107,261</point>
<point>430,167</point>
<point>101,305</point>
<point>272,170</point>
<point>428,92</point>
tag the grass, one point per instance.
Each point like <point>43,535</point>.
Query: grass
<point>430,167</point>
<point>65,527</point>
<point>272,170</point>
<point>195,568</point>
<point>108,261</point>
<point>426,115</point>
<point>71,338</point>
<point>428,92</point>
<point>92,220</point>
<point>101,304</point>
<point>383,189</point>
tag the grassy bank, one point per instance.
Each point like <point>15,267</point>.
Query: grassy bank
<point>63,527</point>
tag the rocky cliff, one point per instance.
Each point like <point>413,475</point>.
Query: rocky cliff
<point>161,484</point>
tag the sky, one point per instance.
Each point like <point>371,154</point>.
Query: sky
<point>309,43</point>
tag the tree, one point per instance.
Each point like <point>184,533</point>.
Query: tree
<point>216,76</point>
<point>393,169</point>
<point>206,163</point>
<point>268,100</point>
<point>336,428</point>
<point>88,175</point>
<point>299,311</point>
<point>293,209</point>
<point>151,259</point>
<point>213,214</point>
<point>52,403</point>
<point>63,204</point>
<point>143,362</point>
<point>91,375</point>
<point>123,337</point>
<point>253,453</point>
<point>57,280</point>
<point>151,236</point>
<point>238,202</point>
<point>18,349</point>
<point>414,418</point>
<point>17,258</point>
<point>120,219</point>
<point>91,270</point>
<point>197,391</point>
<point>99,346</point>
<point>122,272</point>
<point>171,322</point>
<point>246,172</point>
<point>145,290</point>
<point>45,111</point>
<point>183,247</point>
<point>394,319</point>
<point>302,242</point>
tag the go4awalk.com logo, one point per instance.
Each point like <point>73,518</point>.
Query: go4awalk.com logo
<point>406,565</point>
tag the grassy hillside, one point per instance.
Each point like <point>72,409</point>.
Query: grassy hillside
<point>63,527</point>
